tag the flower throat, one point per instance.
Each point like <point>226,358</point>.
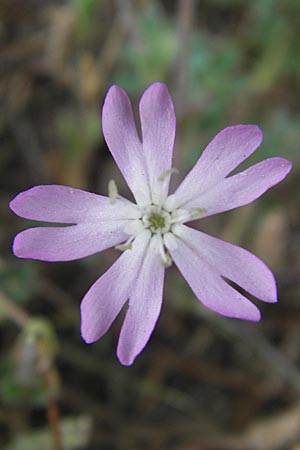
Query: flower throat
<point>156,221</point>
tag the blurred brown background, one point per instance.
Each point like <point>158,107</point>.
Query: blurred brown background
<point>203,382</point>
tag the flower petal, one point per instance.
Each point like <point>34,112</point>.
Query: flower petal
<point>223,154</point>
<point>208,285</point>
<point>242,188</point>
<point>121,136</point>
<point>144,306</point>
<point>70,242</point>
<point>158,124</point>
<point>233,262</point>
<point>104,300</point>
<point>63,204</point>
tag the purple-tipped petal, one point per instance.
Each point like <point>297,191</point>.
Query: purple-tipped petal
<point>63,204</point>
<point>158,124</point>
<point>242,188</point>
<point>234,263</point>
<point>208,285</point>
<point>224,153</point>
<point>144,307</point>
<point>103,302</point>
<point>68,243</point>
<point>121,136</point>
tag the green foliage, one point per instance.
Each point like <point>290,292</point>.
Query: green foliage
<point>282,131</point>
<point>212,68</point>
<point>149,53</point>
<point>18,280</point>
<point>14,392</point>
<point>78,135</point>
<point>84,12</point>
<point>32,355</point>
<point>75,433</point>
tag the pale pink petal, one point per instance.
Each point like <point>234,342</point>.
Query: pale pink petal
<point>242,188</point>
<point>63,204</point>
<point>208,285</point>
<point>233,262</point>
<point>158,124</point>
<point>121,136</point>
<point>103,302</point>
<point>144,307</point>
<point>223,154</point>
<point>70,242</point>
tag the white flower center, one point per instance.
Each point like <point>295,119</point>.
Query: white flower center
<point>163,221</point>
<point>156,219</point>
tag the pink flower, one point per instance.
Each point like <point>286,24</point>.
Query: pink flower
<point>153,232</point>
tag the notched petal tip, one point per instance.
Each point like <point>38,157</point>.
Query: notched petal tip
<point>275,168</point>
<point>283,163</point>
<point>254,317</point>
<point>270,294</point>
<point>116,99</point>
<point>114,90</point>
<point>87,323</point>
<point>16,204</point>
<point>87,339</point>
<point>22,248</point>
<point>115,95</point>
<point>160,92</point>
<point>18,246</point>
<point>84,325</point>
<point>86,334</point>
<point>157,85</point>
<point>125,358</point>
<point>13,204</point>
<point>255,130</point>
<point>253,314</point>
<point>251,133</point>
<point>243,309</point>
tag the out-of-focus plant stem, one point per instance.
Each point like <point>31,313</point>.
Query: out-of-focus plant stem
<point>43,361</point>
<point>185,19</point>
<point>14,312</point>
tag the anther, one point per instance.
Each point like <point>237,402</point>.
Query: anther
<point>112,191</point>
<point>166,173</point>
<point>167,262</point>
<point>126,245</point>
<point>197,212</point>
<point>165,257</point>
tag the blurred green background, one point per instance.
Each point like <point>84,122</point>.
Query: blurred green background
<point>203,382</point>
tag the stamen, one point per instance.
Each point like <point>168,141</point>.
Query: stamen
<point>184,217</point>
<point>168,262</point>
<point>165,257</point>
<point>112,191</point>
<point>126,245</point>
<point>166,173</point>
<point>170,241</point>
<point>197,212</point>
